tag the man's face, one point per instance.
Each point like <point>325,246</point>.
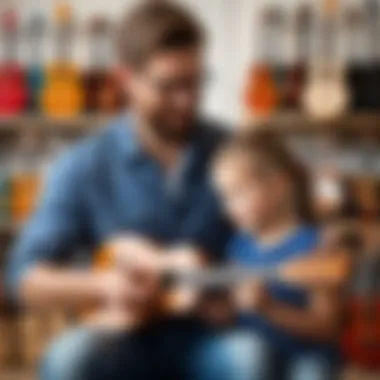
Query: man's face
<point>166,92</point>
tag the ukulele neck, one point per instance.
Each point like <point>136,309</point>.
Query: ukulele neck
<point>373,28</point>
<point>10,47</point>
<point>223,277</point>
<point>353,28</point>
<point>272,29</point>
<point>100,54</point>
<point>64,40</point>
<point>35,43</point>
<point>328,38</point>
<point>303,33</point>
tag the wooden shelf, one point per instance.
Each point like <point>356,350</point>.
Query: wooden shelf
<point>24,123</point>
<point>9,228</point>
<point>297,123</point>
<point>282,122</point>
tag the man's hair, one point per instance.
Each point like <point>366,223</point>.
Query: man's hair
<point>156,26</point>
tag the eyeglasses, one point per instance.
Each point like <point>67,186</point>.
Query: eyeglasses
<point>172,86</point>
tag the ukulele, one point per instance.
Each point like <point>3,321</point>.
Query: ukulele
<point>13,91</point>
<point>361,340</point>
<point>186,279</point>
<point>34,32</point>
<point>62,95</point>
<point>327,94</point>
<point>356,22</point>
<point>365,181</point>
<point>368,98</point>
<point>102,93</point>
<point>262,93</point>
<point>297,73</point>
<point>278,34</point>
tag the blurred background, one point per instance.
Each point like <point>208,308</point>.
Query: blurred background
<point>307,69</point>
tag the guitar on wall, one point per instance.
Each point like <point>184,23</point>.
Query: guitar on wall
<point>369,95</point>
<point>357,24</point>
<point>262,95</point>
<point>102,93</point>
<point>326,95</point>
<point>297,73</point>
<point>13,89</point>
<point>189,279</point>
<point>35,31</point>
<point>361,341</point>
<point>62,95</point>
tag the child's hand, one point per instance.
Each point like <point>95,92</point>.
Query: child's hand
<point>252,296</point>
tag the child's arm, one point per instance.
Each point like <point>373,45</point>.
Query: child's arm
<point>320,321</point>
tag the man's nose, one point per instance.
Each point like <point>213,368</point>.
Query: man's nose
<point>185,100</point>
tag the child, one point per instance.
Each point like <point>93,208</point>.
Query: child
<point>265,192</point>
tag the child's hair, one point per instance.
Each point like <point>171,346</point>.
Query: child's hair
<point>268,149</point>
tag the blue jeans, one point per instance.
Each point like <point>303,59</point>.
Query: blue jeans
<point>311,367</point>
<point>175,352</point>
<point>248,356</point>
<point>180,352</point>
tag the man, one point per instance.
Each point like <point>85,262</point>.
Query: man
<point>145,179</point>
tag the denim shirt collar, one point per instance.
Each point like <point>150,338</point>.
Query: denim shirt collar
<point>126,139</point>
<point>131,150</point>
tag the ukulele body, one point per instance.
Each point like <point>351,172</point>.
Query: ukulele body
<point>261,96</point>
<point>293,88</point>
<point>327,94</point>
<point>102,93</point>
<point>13,89</point>
<point>117,317</point>
<point>365,83</point>
<point>62,95</point>
<point>361,342</point>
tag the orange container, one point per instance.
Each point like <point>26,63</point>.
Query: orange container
<point>25,188</point>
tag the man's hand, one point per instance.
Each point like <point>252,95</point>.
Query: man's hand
<point>133,252</point>
<point>130,290</point>
<point>125,301</point>
<point>133,284</point>
<point>137,268</point>
<point>183,258</point>
<point>252,296</point>
<point>129,284</point>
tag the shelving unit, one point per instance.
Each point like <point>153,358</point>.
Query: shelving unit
<point>282,122</point>
<point>298,123</point>
<point>8,229</point>
<point>81,124</point>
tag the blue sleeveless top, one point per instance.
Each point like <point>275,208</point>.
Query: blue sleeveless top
<point>246,250</point>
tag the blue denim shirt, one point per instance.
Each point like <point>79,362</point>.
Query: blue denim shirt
<point>107,184</point>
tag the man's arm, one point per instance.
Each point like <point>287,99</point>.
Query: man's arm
<point>50,236</point>
<point>46,286</point>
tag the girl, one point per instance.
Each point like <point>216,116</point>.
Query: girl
<point>266,193</point>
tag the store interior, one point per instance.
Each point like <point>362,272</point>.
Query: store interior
<point>308,71</point>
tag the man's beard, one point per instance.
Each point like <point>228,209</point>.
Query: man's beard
<point>171,134</point>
